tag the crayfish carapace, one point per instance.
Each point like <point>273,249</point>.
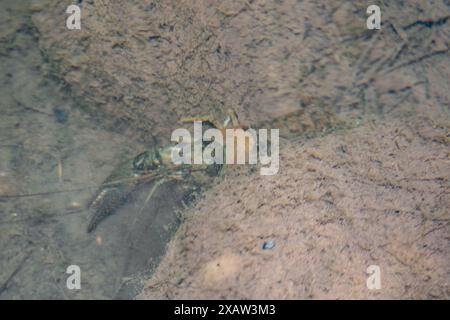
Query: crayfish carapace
<point>154,166</point>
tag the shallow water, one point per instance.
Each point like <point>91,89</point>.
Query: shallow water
<point>56,150</point>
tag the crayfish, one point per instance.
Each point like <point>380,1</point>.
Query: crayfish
<point>154,166</point>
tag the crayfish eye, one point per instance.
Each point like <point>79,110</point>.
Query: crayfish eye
<point>156,160</point>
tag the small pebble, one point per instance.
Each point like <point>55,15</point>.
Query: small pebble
<point>61,115</point>
<point>99,240</point>
<point>268,245</point>
<point>74,205</point>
